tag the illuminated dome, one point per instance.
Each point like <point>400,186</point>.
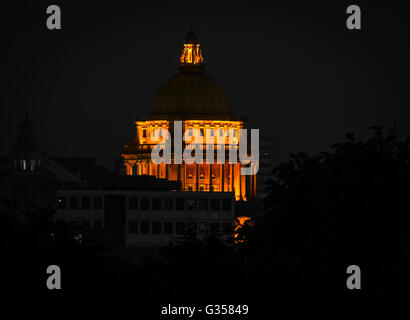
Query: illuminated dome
<point>191,93</point>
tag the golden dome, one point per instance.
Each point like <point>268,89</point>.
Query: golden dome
<point>191,94</point>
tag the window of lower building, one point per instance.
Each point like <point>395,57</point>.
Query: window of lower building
<point>190,228</point>
<point>74,203</point>
<point>62,203</point>
<point>180,204</point>
<point>191,204</point>
<point>156,227</point>
<point>179,228</point>
<point>168,227</point>
<point>133,203</point>
<point>145,204</point>
<point>156,204</point>
<point>133,227</point>
<point>168,204</point>
<point>226,227</point>
<point>97,225</point>
<point>214,227</point>
<point>98,203</point>
<point>226,204</point>
<point>203,204</point>
<point>203,227</point>
<point>215,204</point>
<point>86,224</point>
<point>86,203</point>
<point>144,227</point>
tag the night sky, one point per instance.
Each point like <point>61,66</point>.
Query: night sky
<point>294,70</point>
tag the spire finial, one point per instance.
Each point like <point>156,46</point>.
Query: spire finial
<point>191,57</point>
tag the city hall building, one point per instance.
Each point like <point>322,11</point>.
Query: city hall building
<point>199,102</point>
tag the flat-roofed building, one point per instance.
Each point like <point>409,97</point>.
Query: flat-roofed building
<point>134,218</point>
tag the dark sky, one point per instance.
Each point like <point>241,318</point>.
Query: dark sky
<point>294,70</point>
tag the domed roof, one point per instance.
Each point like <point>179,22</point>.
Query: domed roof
<point>191,95</point>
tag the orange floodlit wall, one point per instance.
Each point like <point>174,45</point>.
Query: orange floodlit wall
<point>194,177</point>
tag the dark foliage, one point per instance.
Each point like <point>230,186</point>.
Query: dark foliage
<point>348,206</point>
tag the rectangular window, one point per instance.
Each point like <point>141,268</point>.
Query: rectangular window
<point>156,204</point>
<point>144,133</point>
<point>74,203</point>
<point>179,228</point>
<point>190,132</point>
<point>144,227</point>
<point>156,227</point>
<point>168,227</point>
<point>86,225</point>
<point>212,132</point>
<point>191,205</point>
<point>214,228</point>
<point>215,204</point>
<point>221,132</point>
<point>145,204</point>
<point>133,227</point>
<point>86,203</point>
<point>133,203</point>
<point>62,203</point>
<point>226,227</point>
<point>98,203</point>
<point>203,228</point>
<point>226,204</point>
<point>97,225</point>
<point>190,227</point>
<point>203,204</point>
<point>168,204</point>
<point>180,204</point>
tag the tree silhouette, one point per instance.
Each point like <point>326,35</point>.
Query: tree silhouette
<point>347,206</point>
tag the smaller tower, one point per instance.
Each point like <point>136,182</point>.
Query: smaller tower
<point>26,155</point>
<point>191,58</point>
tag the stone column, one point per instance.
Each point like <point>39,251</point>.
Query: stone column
<point>243,185</point>
<point>232,176</point>
<point>223,176</point>
<point>197,177</point>
<point>210,177</point>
